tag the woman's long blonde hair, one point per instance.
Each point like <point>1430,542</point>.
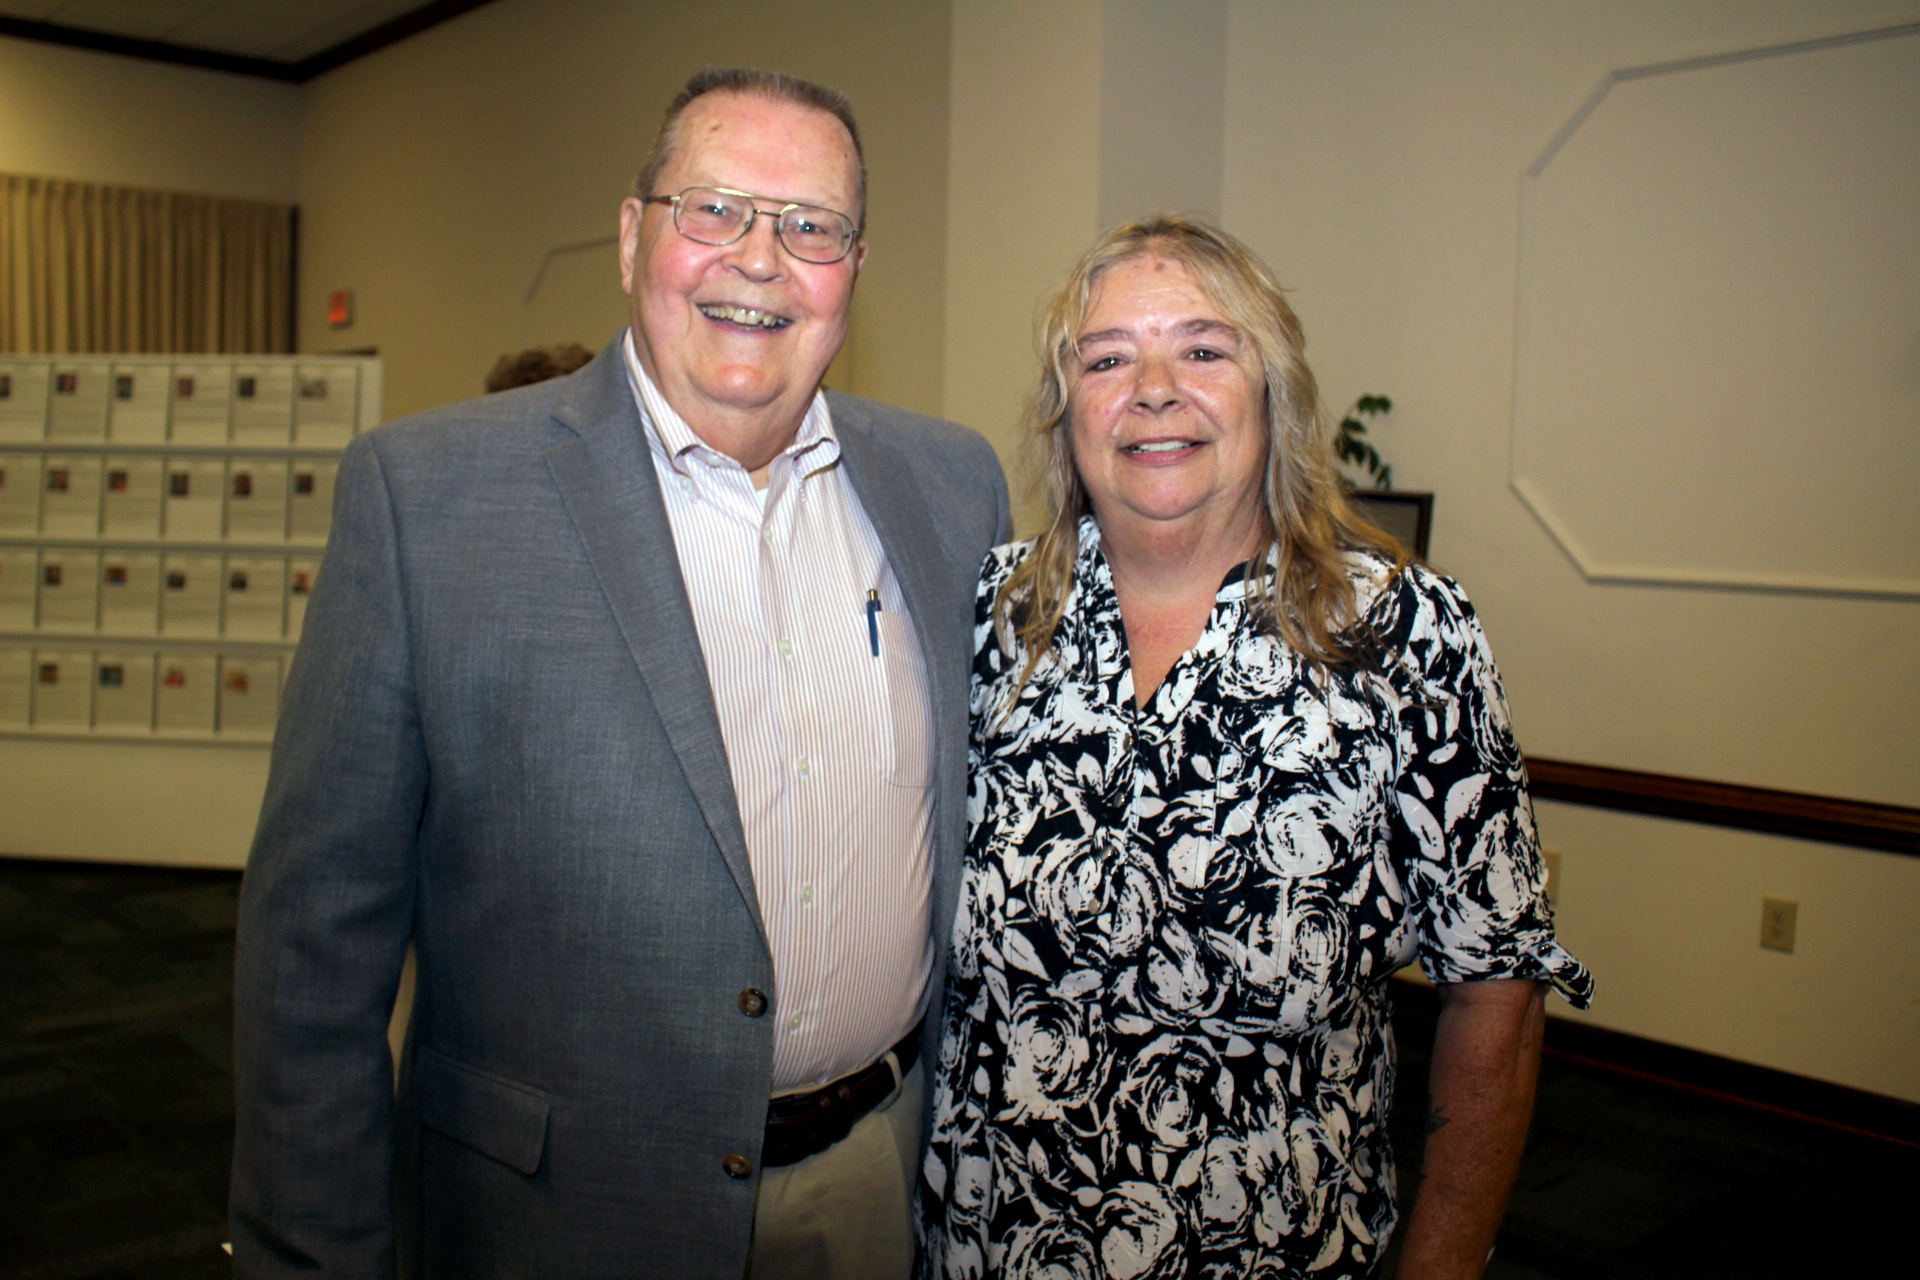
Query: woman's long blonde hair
<point>1306,598</point>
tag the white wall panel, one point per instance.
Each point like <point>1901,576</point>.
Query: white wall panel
<point>1719,334</point>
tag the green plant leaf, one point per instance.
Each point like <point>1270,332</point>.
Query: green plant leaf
<point>1349,447</point>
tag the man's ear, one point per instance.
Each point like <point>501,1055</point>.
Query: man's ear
<point>860,255</point>
<point>631,212</point>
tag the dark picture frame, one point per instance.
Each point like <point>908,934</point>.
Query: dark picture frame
<point>1407,516</point>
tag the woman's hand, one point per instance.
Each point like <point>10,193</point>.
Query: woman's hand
<point>1486,1058</point>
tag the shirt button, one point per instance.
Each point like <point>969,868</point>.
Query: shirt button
<point>753,1002</point>
<point>804,769</point>
<point>767,533</point>
<point>806,894</point>
<point>793,1023</point>
<point>786,648</point>
<point>737,1166</point>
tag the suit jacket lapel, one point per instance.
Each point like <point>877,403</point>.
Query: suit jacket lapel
<point>901,525</point>
<point>880,477</point>
<point>606,479</point>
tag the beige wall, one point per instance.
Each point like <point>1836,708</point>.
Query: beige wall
<point>1374,155</point>
<point>68,113</point>
<point>1022,200</point>
<point>1667,916</point>
<point>436,175</point>
<point>1373,151</point>
<point>1163,90</point>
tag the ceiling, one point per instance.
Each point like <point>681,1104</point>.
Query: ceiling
<point>283,37</point>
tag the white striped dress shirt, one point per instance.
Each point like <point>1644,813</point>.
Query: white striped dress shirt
<point>829,745</point>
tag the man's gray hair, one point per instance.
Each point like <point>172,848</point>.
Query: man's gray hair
<point>763,84</point>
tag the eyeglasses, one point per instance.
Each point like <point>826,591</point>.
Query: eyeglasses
<point>716,215</point>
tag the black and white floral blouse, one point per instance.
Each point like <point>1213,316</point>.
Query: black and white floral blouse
<point>1166,1049</point>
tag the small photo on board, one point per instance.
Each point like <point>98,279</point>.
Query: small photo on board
<point>237,580</point>
<point>176,580</point>
<point>53,574</point>
<point>112,675</point>
<point>6,386</point>
<point>116,575</point>
<point>245,387</point>
<point>123,386</point>
<point>302,582</point>
<point>179,483</point>
<point>176,678</point>
<point>49,673</point>
<point>3,479</point>
<point>117,482</point>
<point>303,483</point>
<point>183,388</point>
<point>242,484</point>
<point>66,384</point>
<point>59,480</point>
<point>237,682</point>
<point>313,388</point>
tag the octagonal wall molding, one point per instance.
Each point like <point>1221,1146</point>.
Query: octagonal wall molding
<point>1717,374</point>
<point>574,295</point>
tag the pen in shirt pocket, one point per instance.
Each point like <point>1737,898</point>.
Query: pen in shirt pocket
<point>873,622</point>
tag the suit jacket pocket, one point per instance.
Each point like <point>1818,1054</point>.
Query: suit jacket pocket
<point>494,1116</point>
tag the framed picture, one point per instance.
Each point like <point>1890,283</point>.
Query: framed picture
<point>1407,516</point>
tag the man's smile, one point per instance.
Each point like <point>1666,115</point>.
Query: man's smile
<point>742,317</point>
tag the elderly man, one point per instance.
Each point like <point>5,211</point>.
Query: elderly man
<point>636,700</point>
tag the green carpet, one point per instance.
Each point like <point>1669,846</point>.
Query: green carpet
<point>116,1094</point>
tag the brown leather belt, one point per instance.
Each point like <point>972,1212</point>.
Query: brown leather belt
<point>805,1124</point>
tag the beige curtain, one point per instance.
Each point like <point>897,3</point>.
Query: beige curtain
<point>90,268</point>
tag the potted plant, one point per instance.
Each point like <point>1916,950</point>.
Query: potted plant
<point>1407,516</point>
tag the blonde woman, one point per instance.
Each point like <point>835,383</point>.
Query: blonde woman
<point>1235,761</point>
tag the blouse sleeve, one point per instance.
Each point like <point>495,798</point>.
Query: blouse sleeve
<point>1462,819</point>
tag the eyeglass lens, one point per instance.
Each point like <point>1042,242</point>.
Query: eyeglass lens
<point>720,217</point>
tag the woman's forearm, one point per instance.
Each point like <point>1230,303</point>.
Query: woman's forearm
<point>1486,1058</point>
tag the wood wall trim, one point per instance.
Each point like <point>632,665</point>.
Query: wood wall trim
<point>1694,1071</point>
<point>1890,828</point>
<point>412,22</point>
<point>152,50</point>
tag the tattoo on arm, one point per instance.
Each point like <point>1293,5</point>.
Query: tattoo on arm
<point>1437,1118</point>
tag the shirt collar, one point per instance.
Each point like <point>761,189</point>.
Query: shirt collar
<point>669,435</point>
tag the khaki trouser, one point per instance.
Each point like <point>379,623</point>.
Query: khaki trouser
<point>845,1214</point>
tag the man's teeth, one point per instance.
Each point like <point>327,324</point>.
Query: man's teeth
<point>1158,446</point>
<point>743,315</point>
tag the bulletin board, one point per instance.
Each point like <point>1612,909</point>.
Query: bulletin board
<point>162,521</point>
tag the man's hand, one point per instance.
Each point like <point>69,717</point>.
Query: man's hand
<point>1486,1059</point>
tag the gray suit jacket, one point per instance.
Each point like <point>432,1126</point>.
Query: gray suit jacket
<point>499,742</point>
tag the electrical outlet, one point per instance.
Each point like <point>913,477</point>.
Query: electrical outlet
<point>1552,858</point>
<point>1778,917</point>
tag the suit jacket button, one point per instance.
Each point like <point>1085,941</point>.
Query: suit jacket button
<point>753,1003</point>
<point>737,1166</point>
